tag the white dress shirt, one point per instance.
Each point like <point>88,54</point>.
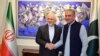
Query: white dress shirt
<point>83,37</point>
<point>51,33</point>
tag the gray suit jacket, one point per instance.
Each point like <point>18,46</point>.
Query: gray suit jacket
<point>42,38</point>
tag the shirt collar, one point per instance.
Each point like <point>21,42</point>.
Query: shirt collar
<point>71,23</point>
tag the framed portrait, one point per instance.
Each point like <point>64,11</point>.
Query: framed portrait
<point>32,14</point>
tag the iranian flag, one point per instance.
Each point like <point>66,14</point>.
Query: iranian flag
<point>8,46</point>
<point>93,37</point>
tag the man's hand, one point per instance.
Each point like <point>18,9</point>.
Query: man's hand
<point>50,46</point>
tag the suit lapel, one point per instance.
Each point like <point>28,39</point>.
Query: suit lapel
<point>47,32</point>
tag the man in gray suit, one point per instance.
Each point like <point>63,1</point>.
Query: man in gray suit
<point>48,35</point>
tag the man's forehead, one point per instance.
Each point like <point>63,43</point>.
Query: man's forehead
<point>69,13</point>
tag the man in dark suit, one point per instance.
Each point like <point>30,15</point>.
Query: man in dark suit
<point>48,35</point>
<point>73,37</point>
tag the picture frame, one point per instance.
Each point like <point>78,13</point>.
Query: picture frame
<point>31,14</point>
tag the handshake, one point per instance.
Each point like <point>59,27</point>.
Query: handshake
<point>50,46</point>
